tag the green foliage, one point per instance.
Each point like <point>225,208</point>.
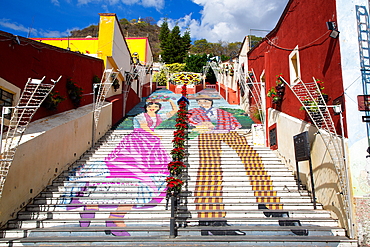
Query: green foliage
<point>176,67</point>
<point>160,78</point>
<point>174,46</point>
<point>92,30</point>
<point>201,46</point>
<point>124,21</point>
<point>148,29</point>
<point>195,63</point>
<point>221,48</point>
<point>254,40</point>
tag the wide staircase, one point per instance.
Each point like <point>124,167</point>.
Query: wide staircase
<point>234,195</point>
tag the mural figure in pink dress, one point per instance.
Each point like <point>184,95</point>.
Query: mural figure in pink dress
<point>139,160</point>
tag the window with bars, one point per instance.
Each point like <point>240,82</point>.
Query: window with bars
<point>6,99</point>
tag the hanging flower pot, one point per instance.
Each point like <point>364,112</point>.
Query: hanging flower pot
<point>52,101</point>
<point>75,92</point>
<point>174,184</point>
<point>326,98</point>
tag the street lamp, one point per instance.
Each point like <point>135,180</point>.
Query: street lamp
<point>333,27</point>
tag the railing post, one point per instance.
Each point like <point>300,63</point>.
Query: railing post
<point>173,230</point>
<point>312,184</point>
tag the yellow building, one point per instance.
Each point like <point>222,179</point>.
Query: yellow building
<point>111,46</point>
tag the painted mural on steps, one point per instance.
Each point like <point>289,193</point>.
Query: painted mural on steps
<point>138,164</point>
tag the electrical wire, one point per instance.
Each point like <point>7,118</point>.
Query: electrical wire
<point>299,48</point>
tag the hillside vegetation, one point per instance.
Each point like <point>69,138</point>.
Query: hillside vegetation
<point>147,27</point>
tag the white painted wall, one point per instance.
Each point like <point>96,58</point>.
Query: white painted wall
<point>352,83</point>
<point>327,185</point>
<point>49,146</point>
<point>120,54</point>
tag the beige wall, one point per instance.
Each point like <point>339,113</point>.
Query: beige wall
<point>327,186</point>
<point>48,146</point>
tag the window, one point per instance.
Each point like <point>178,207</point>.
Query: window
<point>294,67</point>
<point>6,99</point>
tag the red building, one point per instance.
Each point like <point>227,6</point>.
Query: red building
<point>300,50</point>
<point>300,47</point>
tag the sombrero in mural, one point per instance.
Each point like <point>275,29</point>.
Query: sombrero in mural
<point>159,98</point>
<point>204,96</point>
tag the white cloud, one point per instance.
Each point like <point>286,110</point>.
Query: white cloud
<point>231,20</point>
<point>157,4</point>
<point>55,2</point>
<point>13,25</point>
<point>54,34</point>
<point>6,23</point>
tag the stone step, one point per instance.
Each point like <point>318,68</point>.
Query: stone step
<point>251,198</point>
<point>81,185</point>
<point>80,208</point>
<point>145,213</point>
<point>164,221</point>
<point>224,163</point>
<point>182,241</point>
<point>187,231</point>
<point>191,171</point>
<point>133,189</point>
<point>251,205</point>
<point>227,163</point>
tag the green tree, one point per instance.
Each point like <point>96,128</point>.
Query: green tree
<point>186,43</point>
<point>175,67</point>
<point>174,46</point>
<point>254,40</point>
<point>195,62</point>
<point>201,46</point>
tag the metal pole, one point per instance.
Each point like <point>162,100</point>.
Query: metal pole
<point>172,220</point>
<point>151,82</point>
<point>298,180</point>
<point>2,129</point>
<point>93,118</point>
<point>312,184</point>
<point>349,191</point>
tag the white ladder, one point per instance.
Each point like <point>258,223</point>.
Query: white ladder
<point>34,93</point>
<point>253,87</point>
<point>309,95</point>
<point>105,84</point>
<point>130,76</point>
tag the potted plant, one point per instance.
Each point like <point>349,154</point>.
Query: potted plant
<point>115,84</point>
<point>277,92</point>
<point>231,70</point>
<point>75,92</point>
<point>176,167</point>
<point>52,101</point>
<point>320,85</point>
<point>174,184</point>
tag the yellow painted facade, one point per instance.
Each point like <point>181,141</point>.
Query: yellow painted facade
<point>106,35</point>
<point>138,45</point>
<point>82,45</point>
<point>102,47</point>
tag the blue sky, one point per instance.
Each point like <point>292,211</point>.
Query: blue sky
<point>214,20</point>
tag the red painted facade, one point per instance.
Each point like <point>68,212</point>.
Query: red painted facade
<point>233,96</point>
<point>319,55</point>
<point>31,59</point>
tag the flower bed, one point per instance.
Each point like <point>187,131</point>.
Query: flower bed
<point>185,78</point>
